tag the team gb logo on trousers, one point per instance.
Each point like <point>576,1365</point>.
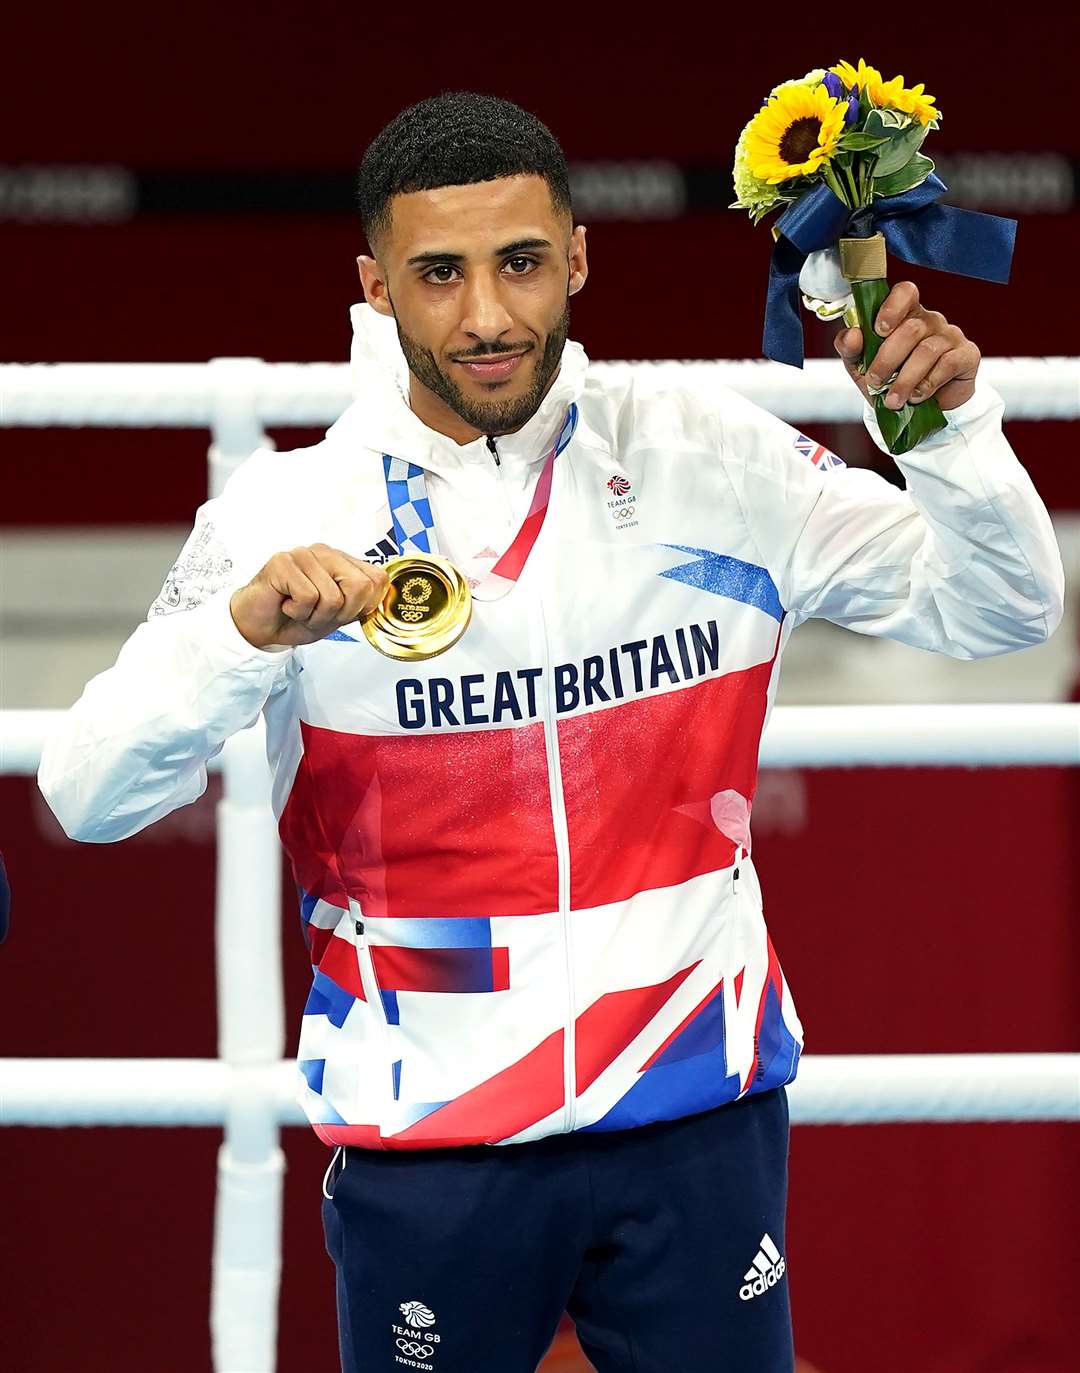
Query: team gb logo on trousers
<point>417,1314</point>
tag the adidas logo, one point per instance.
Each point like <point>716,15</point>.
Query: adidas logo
<point>383,551</point>
<point>766,1271</point>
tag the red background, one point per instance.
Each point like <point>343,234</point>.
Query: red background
<point>913,911</point>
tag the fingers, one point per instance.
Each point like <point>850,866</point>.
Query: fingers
<point>316,597</point>
<point>921,354</point>
<point>916,353</point>
<point>323,587</point>
<point>849,344</point>
<point>901,301</point>
<point>914,379</point>
<point>362,584</point>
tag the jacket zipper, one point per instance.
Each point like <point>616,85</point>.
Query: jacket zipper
<point>500,481</point>
<point>735,916</point>
<point>562,855</point>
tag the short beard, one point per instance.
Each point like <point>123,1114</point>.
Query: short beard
<point>495,416</point>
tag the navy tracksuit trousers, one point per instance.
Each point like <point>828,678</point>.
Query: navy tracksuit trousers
<point>665,1243</point>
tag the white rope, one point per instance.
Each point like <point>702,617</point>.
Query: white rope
<point>866,1089</point>
<point>999,735</point>
<point>831,1089</point>
<point>196,395</point>
<point>923,735</point>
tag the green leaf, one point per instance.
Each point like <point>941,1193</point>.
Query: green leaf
<point>869,297</point>
<point>861,142</point>
<point>903,429</point>
<point>885,121</point>
<point>904,138</point>
<point>914,174</point>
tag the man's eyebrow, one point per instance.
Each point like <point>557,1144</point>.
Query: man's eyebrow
<point>421,258</point>
<point>519,245</point>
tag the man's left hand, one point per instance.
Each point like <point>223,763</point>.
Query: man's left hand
<point>932,356</point>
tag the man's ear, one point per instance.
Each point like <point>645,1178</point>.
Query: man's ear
<point>579,267</point>
<point>373,280</point>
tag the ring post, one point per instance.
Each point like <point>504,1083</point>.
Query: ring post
<point>246,1270</point>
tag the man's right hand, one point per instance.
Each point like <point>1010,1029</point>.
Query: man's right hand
<point>302,596</point>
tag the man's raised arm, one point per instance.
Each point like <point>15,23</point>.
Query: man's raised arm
<point>964,562</point>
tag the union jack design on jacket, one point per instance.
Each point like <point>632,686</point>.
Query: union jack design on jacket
<point>818,454</point>
<point>524,866</point>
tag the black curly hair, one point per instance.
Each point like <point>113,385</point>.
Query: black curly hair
<point>456,139</point>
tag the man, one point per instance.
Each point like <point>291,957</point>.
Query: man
<point>524,864</point>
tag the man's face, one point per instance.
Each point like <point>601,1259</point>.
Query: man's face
<point>477,279</point>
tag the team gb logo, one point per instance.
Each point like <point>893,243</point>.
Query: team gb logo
<point>417,1314</point>
<point>618,486</point>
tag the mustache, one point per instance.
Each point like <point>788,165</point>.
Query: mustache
<point>492,351</point>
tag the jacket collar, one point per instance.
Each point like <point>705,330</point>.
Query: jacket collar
<point>380,417</point>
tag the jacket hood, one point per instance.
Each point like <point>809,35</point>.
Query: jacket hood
<point>380,417</point>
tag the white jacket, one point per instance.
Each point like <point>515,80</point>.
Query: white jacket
<point>523,865</point>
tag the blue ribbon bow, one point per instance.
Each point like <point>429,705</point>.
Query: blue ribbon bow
<point>966,242</point>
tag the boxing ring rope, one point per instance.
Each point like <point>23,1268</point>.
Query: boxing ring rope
<point>200,395</point>
<point>831,1089</point>
<point>249,1089</point>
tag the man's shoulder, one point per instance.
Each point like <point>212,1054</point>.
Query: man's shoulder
<point>327,491</point>
<point>642,402</point>
<point>302,469</point>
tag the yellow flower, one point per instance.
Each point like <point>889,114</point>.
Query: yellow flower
<point>913,102</point>
<point>890,94</point>
<point>857,78</point>
<point>793,133</point>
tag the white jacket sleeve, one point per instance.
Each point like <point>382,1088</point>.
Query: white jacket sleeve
<point>964,562</point>
<point>136,744</point>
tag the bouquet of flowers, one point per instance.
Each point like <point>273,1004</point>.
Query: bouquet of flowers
<point>840,150</point>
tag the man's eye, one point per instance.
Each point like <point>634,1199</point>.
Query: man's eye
<point>520,265</point>
<point>434,274</point>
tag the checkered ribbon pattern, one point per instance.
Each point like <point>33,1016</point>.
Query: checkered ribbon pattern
<point>410,509</point>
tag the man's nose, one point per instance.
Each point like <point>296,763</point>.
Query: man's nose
<point>485,316</point>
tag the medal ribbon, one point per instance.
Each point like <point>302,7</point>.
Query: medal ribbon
<point>414,526</point>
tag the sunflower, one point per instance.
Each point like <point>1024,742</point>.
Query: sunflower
<point>894,94</point>
<point>891,94</point>
<point>793,133</point>
<point>857,78</point>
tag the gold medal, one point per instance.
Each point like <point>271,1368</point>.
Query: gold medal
<point>426,609</point>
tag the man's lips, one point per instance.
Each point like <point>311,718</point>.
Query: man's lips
<point>496,368</point>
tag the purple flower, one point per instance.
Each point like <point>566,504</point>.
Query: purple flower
<point>835,87</point>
